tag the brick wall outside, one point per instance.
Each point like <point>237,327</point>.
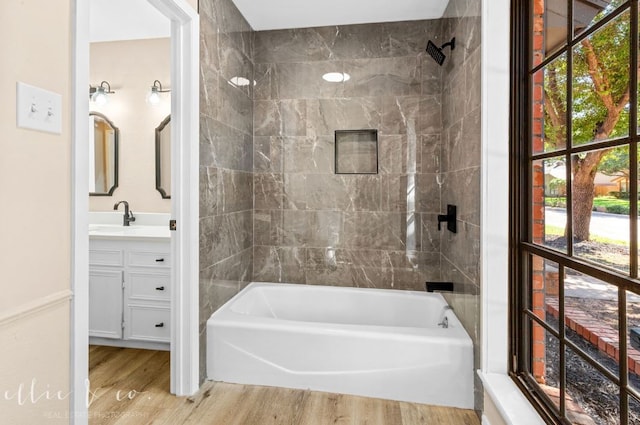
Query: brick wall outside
<point>537,127</point>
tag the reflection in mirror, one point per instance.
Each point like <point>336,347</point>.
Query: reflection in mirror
<point>163,158</point>
<point>103,155</point>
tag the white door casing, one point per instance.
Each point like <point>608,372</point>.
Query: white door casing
<point>185,197</point>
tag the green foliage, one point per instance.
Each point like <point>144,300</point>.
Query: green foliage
<point>618,209</point>
<point>611,48</point>
<point>612,204</point>
<point>559,202</point>
<point>615,162</point>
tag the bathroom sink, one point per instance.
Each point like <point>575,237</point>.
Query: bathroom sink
<point>119,231</point>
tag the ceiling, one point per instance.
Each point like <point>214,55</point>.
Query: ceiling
<point>113,20</point>
<point>280,14</point>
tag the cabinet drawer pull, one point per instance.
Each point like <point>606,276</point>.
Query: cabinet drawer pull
<point>160,288</point>
<point>160,325</point>
<point>159,260</point>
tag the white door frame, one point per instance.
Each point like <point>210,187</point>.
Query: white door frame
<point>185,35</point>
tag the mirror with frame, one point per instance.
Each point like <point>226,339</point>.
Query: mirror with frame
<point>163,158</point>
<point>103,155</point>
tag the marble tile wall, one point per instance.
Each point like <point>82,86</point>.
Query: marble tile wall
<point>313,226</point>
<point>461,161</point>
<point>226,158</point>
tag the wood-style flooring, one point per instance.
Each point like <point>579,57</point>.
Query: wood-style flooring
<point>131,387</point>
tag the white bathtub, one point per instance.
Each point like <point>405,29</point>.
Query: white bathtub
<point>368,342</point>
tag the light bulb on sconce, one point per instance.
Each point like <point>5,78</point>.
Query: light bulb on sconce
<point>153,98</point>
<point>98,94</point>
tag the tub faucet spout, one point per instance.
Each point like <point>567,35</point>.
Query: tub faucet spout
<point>444,323</point>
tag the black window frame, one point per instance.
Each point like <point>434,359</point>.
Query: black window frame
<point>521,245</point>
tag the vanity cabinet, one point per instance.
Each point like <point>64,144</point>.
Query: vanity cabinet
<point>129,293</point>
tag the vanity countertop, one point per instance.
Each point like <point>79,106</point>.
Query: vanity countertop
<point>108,225</point>
<point>113,231</point>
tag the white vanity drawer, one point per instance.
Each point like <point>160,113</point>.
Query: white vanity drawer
<point>148,259</point>
<point>106,257</point>
<point>148,286</point>
<point>149,323</point>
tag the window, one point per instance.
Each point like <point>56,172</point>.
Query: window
<point>575,292</point>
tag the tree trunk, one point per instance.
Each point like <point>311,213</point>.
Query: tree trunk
<point>584,173</point>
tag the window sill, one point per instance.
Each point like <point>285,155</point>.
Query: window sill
<point>512,405</point>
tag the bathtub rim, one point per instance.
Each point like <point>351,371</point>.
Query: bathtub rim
<point>456,334</point>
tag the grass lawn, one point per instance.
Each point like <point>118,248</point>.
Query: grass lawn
<point>559,231</point>
<point>611,204</point>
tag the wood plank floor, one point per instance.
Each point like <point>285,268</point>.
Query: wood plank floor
<point>132,387</point>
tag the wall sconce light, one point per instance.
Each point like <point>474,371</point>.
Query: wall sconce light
<point>99,94</point>
<point>153,98</point>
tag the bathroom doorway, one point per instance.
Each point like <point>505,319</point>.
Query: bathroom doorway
<point>182,273</point>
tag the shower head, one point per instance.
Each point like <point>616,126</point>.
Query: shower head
<point>436,52</point>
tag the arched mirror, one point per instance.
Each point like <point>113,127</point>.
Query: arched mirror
<point>163,158</point>
<point>103,155</point>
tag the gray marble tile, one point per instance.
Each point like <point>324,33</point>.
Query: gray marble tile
<point>462,250</point>
<point>263,231</point>
<point>235,64</point>
<point>294,45</point>
<point>359,277</point>
<point>430,235</point>
<point>224,16</point>
<point>377,230</point>
<point>305,80</point>
<point>291,227</point>
<point>235,107</point>
<point>268,154</point>
<point>431,75</point>
<point>280,118</point>
<point>208,92</point>
<point>265,77</point>
<point>325,116</point>
<point>430,115</point>
<point>222,146</point>
<point>206,229</point>
<point>453,99</point>
<point>427,193</point>
<point>464,143</point>
<point>453,149</point>
<point>235,190</point>
<point>431,154</point>
<point>473,81</point>
<point>325,229</point>
<point>236,268</point>
<point>399,192</point>
<point>398,154</point>
<point>209,52</point>
<point>331,258</point>
<point>279,264</point>
<point>268,191</point>
<point>332,192</point>
<point>402,115</point>
<point>462,188</point>
<point>208,191</point>
<point>309,155</point>
<point>408,38</point>
<point>224,235</point>
<point>400,76</point>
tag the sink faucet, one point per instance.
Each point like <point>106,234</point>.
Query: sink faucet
<point>128,215</point>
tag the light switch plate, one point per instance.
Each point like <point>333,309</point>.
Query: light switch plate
<point>38,109</point>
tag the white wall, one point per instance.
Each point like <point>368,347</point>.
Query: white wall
<point>35,188</point>
<point>131,67</point>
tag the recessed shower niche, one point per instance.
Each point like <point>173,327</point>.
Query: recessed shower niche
<point>356,152</point>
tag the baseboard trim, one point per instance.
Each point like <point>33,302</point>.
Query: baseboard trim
<point>34,307</point>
